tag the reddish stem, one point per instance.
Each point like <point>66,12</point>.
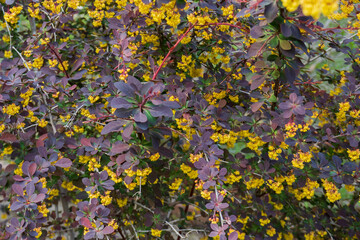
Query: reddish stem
<point>171,50</point>
<point>59,59</point>
<point>182,37</point>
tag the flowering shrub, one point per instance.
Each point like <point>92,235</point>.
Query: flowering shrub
<point>242,115</point>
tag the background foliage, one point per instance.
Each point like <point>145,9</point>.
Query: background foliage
<point>138,119</point>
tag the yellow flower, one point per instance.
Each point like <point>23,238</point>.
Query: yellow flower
<point>156,232</point>
<point>154,157</point>
<point>8,54</point>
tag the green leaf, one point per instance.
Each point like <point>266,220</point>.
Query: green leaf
<point>285,44</point>
<point>272,98</point>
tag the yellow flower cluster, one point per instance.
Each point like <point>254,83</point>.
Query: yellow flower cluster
<point>18,170</point>
<point>346,8</point>
<point>2,128</point>
<point>93,163</point>
<point>154,157</point>
<point>112,175</point>
<point>338,87</point>
<point>290,129</point>
<point>341,115</point>
<point>7,151</point>
<point>53,6</point>
<point>254,183</point>
<point>300,158</point>
<point>233,177</point>
<point>187,170</point>
<point>38,62</point>
<point>86,113</point>
<point>26,96</point>
<point>93,99</point>
<point>307,191</point>
<point>42,123</point>
<point>229,139</point>
<point>274,153</point>
<point>175,185</point>
<point>69,186</point>
<point>271,231</point>
<point>74,4</point>
<point>11,109</point>
<point>53,193</point>
<point>12,15</point>
<point>34,10</point>
<point>187,64</point>
<point>312,8</point>
<point>121,202</point>
<point>255,143</point>
<point>113,224</point>
<point>43,209</point>
<point>64,66</point>
<point>106,199</point>
<point>354,154</point>
<point>155,232</point>
<point>332,192</point>
<point>275,185</point>
<point>8,54</point>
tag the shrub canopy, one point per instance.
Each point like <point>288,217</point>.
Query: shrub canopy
<point>242,115</point>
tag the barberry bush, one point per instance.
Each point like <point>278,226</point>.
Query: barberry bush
<point>157,119</point>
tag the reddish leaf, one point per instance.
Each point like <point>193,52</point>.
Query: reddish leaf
<point>257,81</point>
<point>119,148</point>
<point>85,222</point>
<point>126,134</point>
<point>254,49</point>
<point>32,169</point>
<point>256,106</point>
<point>86,142</point>
<point>8,137</point>
<point>64,163</point>
<point>10,168</point>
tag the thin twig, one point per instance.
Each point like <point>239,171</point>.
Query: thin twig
<point>22,58</point>
<point>173,228</point>
<point>132,226</point>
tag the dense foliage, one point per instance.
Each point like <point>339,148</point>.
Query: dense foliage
<point>139,119</point>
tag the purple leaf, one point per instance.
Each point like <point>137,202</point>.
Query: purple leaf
<point>299,110</point>
<point>114,126</point>
<point>233,236</point>
<point>159,111</point>
<point>30,188</point>
<point>293,97</point>
<point>39,198</point>
<point>64,163</point>
<point>287,114</point>
<point>108,230</point>
<point>140,117</point>
<point>18,189</point>
<point>16,206</point>
<point>120,103</point>
<point>285,105</point>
